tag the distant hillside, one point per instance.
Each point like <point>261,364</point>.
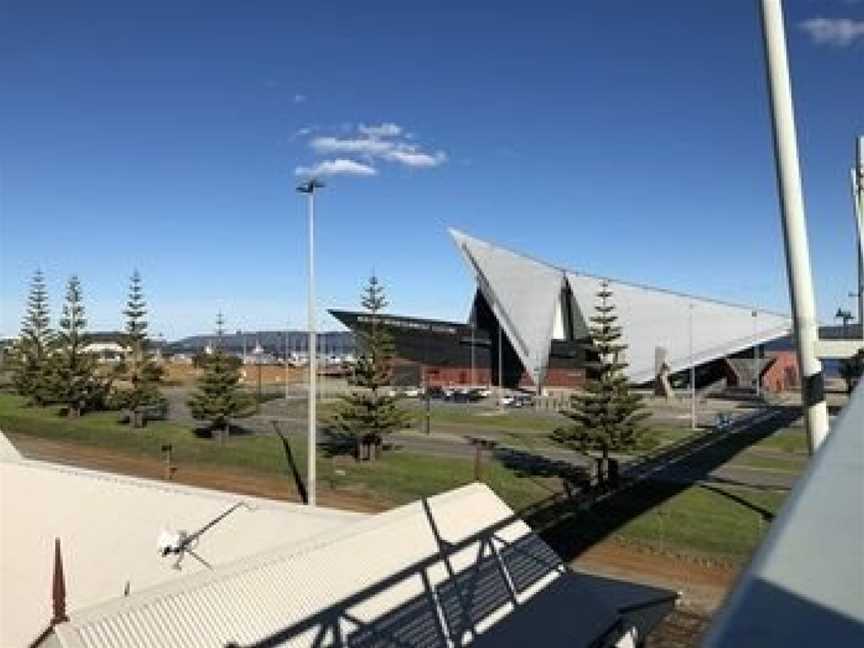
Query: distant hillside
<point>273,342</point>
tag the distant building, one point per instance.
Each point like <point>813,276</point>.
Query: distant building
<point>529,326</point>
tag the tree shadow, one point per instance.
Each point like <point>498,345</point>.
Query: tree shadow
<point>333,442</point>
<point>212,432</point>
<point>571,525</point>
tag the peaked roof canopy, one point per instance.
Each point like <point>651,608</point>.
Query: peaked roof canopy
<point>658,325</point>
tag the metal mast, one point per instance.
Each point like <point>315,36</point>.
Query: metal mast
<point>309,189</point>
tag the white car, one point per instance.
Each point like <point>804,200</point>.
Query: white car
<point>506,401</point>
<point>412,392</point>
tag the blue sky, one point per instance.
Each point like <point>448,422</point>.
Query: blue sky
<point>629,139</point>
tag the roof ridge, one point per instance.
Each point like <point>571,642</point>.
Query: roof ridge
<point>455,233</point>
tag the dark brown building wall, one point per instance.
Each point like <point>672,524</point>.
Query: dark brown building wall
<point>439,376</point>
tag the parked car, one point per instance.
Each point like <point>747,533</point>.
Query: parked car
<point>435,392</point>
<point>723,421</point>
<point>524,400</point>
<point>461,396</point>
<point>411,392</point>
<point>506,401</point>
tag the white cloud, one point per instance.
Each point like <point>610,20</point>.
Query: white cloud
<point>840,32</point>
<point>386,141</point>
<point>339,166</point>
<point>386,129</point>
<point>408,156</point>
<point>299,98</point>
<point>392,150</point>
<point>361,146</point>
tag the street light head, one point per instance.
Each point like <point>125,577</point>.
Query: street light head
<point>310,186</point>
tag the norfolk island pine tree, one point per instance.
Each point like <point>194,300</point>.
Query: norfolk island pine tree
<point>606,417</point>
<point>368,414</point>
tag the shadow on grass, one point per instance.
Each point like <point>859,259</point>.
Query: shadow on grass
<point>211,432</point>
<point>573,525</point>
<point>333,442</point>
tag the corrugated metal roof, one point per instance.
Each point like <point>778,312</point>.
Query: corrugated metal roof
<point>108,525</point>
<point>441,572</point>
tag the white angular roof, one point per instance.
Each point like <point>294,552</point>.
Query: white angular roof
<point>524,294</point>
<point>108,525</point>
<point>652,318</point>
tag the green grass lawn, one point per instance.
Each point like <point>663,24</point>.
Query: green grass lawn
<point>705,520</point>
<point>791,440</point>
<point>694,520</point>
<point>398,477</point>
<point>784,463</point>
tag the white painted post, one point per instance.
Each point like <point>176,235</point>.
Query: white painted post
<point>794,226</point>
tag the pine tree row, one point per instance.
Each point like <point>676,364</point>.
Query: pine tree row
<point>56,367</point>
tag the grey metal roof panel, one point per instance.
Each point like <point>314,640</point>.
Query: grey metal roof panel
<point>805,585</point>
<point>656,318</point>
<point>523,294</point>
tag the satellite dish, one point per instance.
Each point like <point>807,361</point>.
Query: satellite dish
<point>179,543</point>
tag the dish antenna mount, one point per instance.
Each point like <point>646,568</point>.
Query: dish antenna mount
<point>179,543</point>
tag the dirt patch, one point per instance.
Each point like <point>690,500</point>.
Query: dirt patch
<point>681,629</point>
<point>215,477</point>
<point>702,587</point>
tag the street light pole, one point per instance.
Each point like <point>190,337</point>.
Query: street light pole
<point>500,366</point>
<point>858,209</point>
<point>692,376</point>
<point>473,327</point>
<point>309,189</point>
<point>757,369</point>
<point>287,337</point>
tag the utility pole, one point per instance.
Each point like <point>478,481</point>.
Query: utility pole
<point>794,226</point>
<point>500,365</point>
<point>309,189</point>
